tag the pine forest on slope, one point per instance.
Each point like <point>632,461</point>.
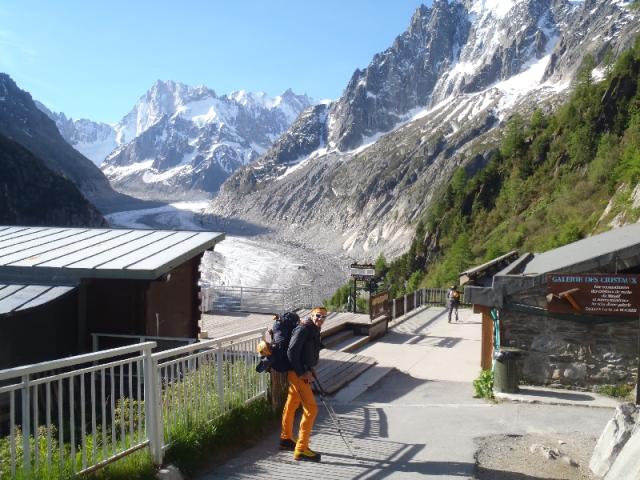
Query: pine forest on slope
<point>32,194</point>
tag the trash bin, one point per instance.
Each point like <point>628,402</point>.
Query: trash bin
<point>505,375</point>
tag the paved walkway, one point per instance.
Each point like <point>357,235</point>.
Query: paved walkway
<point>413,415</point>
<point>221,324</point>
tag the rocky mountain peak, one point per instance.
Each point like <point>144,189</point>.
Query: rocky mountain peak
<point>432,101</point>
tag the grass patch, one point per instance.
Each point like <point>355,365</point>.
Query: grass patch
<point>137,466</point>
<point>624,391</point>
<point>197,445</point>
<point>483,385</point>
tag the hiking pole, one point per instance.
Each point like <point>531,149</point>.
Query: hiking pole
<point>332,414</point>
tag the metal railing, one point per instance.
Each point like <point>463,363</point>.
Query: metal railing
<point>424,296</point>
<point>74,414</point>
<point>255,299</point>
<point>78,414</point>
<point>204,380</point>
<point>114,340</point>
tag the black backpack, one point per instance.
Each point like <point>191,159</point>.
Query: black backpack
<point>281,336</point>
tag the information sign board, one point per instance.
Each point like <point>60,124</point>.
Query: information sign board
<point>593,294</point>
<point>362,271</point>
<point>379,305</point>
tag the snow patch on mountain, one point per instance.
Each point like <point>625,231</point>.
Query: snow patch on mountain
<point>496,8</point>
<point>196,138</point>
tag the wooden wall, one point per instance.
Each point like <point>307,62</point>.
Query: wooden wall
<point>39,334</point>
<point>175,300</point>
<point>130,306</point>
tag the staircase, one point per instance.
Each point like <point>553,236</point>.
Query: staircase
<point>344,341</point>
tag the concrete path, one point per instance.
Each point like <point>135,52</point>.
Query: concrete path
<point>413,415</point>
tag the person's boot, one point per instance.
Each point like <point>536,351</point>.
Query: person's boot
<point>307,455</point>
<point>287,444</point>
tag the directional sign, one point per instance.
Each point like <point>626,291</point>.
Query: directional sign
<point>362,271</point>
<point>593,294</point>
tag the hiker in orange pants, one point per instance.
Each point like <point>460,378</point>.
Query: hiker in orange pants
<point>303,354</point>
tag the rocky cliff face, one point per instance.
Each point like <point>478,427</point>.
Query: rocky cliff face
<point>93,139</point>
<point>32,194</point>
<point>22,121</point>
<point>354,174</point>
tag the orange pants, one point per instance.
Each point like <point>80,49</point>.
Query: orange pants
<point>299,393</point>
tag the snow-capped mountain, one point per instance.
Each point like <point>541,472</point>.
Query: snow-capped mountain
<point>180,141</point>
<point>367,164</point>
<point>93,139</point>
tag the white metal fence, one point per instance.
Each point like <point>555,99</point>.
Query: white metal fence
<point>255,299</point>
<point>78,414</point>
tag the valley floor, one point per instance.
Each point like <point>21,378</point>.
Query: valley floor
<point>249,256</point>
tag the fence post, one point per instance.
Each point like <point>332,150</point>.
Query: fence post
<point>393,309</point>
<point>405,304</point>
<point>220,377</point>
<point>152,406</point>
<point>26,427</point>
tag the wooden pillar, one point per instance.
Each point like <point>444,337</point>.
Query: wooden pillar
<point>279,387</point>
<point>486,353</point>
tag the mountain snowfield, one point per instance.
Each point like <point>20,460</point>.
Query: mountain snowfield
<point>180,141</point>
<point>364,167</point>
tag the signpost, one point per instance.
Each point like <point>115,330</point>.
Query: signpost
<point>379,305</point>
<point>365,273</point>
<point>596,294</point>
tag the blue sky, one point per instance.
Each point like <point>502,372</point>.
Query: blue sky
<point>94,59</point>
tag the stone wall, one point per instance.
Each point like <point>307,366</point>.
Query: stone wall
<point>570,353</point>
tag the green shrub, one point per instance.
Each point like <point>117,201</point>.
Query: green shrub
<point>623,391</point>
<point>484,385</point>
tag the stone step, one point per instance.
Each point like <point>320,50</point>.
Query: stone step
<point>336,338</point>
<point>351,343</point>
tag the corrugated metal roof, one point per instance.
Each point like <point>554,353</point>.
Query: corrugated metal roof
<point>14,298</point>
<point>586,250</point>
<point>58,253</point>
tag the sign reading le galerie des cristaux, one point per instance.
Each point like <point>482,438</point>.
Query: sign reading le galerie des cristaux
<point>593,294</point>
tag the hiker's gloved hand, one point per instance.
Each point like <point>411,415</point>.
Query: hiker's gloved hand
<point>307,376</point>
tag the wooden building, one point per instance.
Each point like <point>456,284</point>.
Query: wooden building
<point>60,285</point>
<point>580,347</point>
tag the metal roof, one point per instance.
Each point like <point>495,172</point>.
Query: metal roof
<point>587,251</point>
<point>54,254</point>
<point>612,251</point>
<point>14,298</point>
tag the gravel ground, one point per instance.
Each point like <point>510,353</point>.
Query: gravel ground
<point>523,457</point>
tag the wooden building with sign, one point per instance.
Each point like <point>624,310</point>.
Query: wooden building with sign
<point>574,311</point>
<point>60,285</point>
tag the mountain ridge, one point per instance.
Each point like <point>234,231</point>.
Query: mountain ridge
<point>180,141</point>
<point>22,121</point>
<point>370,193</point>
